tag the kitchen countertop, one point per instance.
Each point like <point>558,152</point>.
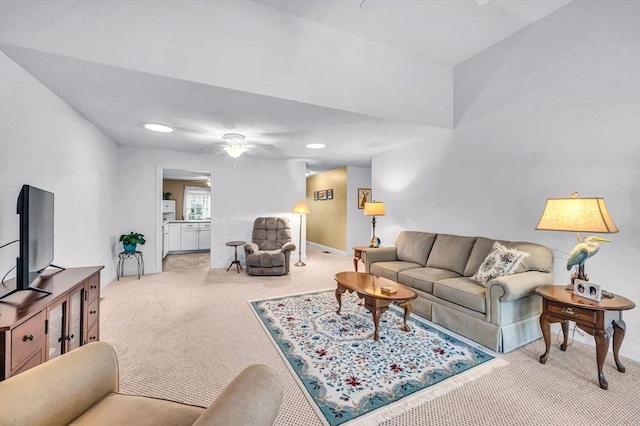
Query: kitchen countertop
<point>186,221</point>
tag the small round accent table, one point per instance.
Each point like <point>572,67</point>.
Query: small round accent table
<point>235,245</point>
<point>126,255</point>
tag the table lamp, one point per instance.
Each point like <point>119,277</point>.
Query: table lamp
<point>373,209</point>
<point>588,214</point>
<point>300,208</point>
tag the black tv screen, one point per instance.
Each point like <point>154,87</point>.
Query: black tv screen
<point>35,207</point>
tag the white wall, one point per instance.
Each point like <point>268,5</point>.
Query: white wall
<point>358,225</point>
<point>551,110</point>
<point>45,143</point>
<point>240,45</point>
<point>253,188</point>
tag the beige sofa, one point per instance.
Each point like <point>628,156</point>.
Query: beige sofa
<point>502,316</point>
<point>81,388</point>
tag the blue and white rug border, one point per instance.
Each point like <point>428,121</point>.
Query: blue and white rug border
<point>394,409</point>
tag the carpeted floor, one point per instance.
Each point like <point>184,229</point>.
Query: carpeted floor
<point>184,334</point>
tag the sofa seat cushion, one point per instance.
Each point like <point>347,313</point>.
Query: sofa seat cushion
<point>423,278</point>
<point>390,269</point>
<point>463,291</point>
<point>266,259</point>
<point>451,252</point>
<point>118,409</point>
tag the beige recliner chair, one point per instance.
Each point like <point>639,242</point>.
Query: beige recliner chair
<point>81,388</point>
<point>271,247</point>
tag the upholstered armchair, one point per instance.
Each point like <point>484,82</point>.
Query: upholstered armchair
<point>271,247</point>
<point>81,388</point>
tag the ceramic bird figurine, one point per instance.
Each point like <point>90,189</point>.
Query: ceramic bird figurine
<point>583,251</point>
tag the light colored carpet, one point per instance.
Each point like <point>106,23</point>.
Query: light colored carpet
<point>184,334</point>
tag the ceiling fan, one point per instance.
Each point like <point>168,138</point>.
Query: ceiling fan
<point>235,145</point>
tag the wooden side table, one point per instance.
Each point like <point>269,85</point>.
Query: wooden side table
<point>599,319</point>
<point>357,255</point>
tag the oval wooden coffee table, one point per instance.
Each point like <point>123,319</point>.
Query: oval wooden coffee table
<point>369,288</point>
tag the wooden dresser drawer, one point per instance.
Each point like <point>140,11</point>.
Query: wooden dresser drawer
<point>33,361</point>
<point>92,312</point>
<point>26,339</point>
<point>94,287</point>
<point>572,313</point>
<point>92,334</point>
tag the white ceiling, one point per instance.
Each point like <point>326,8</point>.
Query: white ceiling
<point>118,100</point>
<point>447,31</point>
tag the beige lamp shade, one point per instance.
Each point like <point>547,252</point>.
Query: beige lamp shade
<point>301,207</point>
<point>374,208</point>
<point>576,215</point>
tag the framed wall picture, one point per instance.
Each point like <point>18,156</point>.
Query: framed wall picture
<point>315,195</point>
<point>322,195</point>
<point>364,196</point>
<point>329,194</point>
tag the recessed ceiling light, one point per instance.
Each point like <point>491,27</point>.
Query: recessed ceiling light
<point>315,145</point>
<point>158,127</point>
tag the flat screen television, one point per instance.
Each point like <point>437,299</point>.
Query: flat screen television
<point>35,207</point>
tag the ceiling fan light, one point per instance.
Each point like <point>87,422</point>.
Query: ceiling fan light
<point>156,127</point>
<point>315,145</point>
<point>235,150</point>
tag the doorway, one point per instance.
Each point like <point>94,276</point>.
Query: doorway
<point>184,227</point>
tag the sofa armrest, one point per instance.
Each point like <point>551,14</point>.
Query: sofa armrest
<point>250,248</point>
<point>58,391</point>
<point>382,254</point>
<point>516,286</point>
<point>252,398</point>
<point>288,247</point>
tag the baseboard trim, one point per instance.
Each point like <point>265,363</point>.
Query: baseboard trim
<point>326,248</point>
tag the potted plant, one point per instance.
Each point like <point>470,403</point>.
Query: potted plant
<point>131,240</point>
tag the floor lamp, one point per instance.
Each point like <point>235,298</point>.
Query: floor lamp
<point>300,208</point>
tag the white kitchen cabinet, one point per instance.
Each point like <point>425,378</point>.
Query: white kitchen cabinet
<point>165,240</point>
<point>168,206</point>
<point>189,236</point>
<point>174,237</point>
<point>204,235</point>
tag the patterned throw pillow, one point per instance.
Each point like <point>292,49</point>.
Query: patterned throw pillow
<point>500,261</point>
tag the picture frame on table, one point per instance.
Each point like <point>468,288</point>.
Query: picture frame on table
<point>364,196</point>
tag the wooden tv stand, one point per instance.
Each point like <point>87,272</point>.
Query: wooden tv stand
<point>36,327</point>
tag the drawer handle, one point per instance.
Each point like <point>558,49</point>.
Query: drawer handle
<point>93,286</point>
<point>93,312</point>
<point>569,311</point>
<point>92,338</point>
<point>29,338</point>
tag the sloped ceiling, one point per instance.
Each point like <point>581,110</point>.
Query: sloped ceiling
<point>360,78</point>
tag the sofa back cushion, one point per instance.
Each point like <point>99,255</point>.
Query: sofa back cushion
<point>540,257</point>
<point>479,253</point>
<point>451,252</point>
<point>414,246</point>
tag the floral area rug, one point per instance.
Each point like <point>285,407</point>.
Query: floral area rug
<point>349,377</point>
